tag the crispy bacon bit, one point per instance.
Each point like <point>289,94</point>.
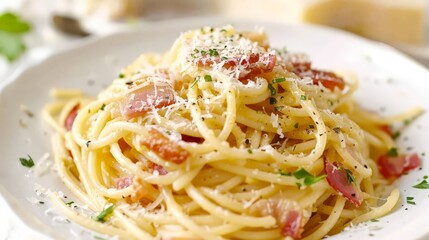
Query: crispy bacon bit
<point>155,167</point>
<point>191,139</point>
<point>396,166</point>
<point>337,178</point>
<point>292,225</point>
<point>143,99</point>
<point>327,79</point>
<point>123,145</point>
<point>287,213</point>
<point>124,182</point>
<point>164,147</point>
<point>263,106</point>
<point>387,129</point>
<point>255,65</point>
<point>68,123</point>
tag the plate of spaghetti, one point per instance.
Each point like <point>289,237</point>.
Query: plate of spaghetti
<point>216,129</point>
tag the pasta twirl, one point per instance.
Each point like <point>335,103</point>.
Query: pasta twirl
<point>223,137</point>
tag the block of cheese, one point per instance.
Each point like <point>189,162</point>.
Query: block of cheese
<point>392,21</point>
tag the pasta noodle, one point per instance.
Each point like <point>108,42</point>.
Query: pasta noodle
<point>223,137</point>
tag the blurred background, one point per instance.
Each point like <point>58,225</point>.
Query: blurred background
<point>32,28</point>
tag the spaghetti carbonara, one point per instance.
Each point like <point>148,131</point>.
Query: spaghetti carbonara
<point>223,137</point>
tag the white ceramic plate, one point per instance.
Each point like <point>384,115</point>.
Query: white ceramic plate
<point>389,83</point>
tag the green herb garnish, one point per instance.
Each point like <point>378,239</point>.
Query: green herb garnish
<point>279,80</point>
<point>195,81</point>
<point>393,152</point>
<point>249,151</point>
<point>69,203</point>
<point>12,29</point>
<point>104,214</point>
<point>284,173</point>
<point>273,100</point>
<point>374,220</point>
<point>121,75</point>
<point>410,200</point>
<point>272,90</point>
<point>422,185</point>
<point>102,107</point>
<point>308,178</point>
<point>303,97</point>
<point>208,78</point>
<point>350,177</point>
<point>27,162</point>
<point>213,52</point>
<point>296,125</point>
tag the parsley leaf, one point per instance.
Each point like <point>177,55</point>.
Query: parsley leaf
<point>284,173</point>
<point>273,100</point>
<point>279,80</point>
<point>27,162</point>
<point>303,97</point>
<point>423,185</point>
<point>12,29</point>
<point>350,177</point>
<point>208,78</point>
<point>102,107</point>
<point>103,214</point>
<point>308,178</point>
<point>272,90</point>
<point>374,220</point>
<point>410,200</point>
<point>393,152</point>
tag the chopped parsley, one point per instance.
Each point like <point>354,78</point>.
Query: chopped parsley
<point>129,83</point>
<point>272,90</point>
<point>203,52</point>
<point>12,30</point>
<point>284,173</point>
<point>396,134</point>
<point>121,75</point>
<point>102,107</point>
<point>27,162</point>
<point>296,125</point>
<point>213,52</point>
<point>350,177</point>
<point>374,220</point>
<point>279,80</point>
<point>410,200</point>
<point>208,78</point>
<point>273,100</point>
<point>308,178</point>
<point>104,214</point>
<point>195,81</point>
<point>393,152</point>
<point>311,126</point>
<point>69,203</point>
<point>99,238</point>
<point>422,185</point>
<point>303,97</point>
<point>249,151</point>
